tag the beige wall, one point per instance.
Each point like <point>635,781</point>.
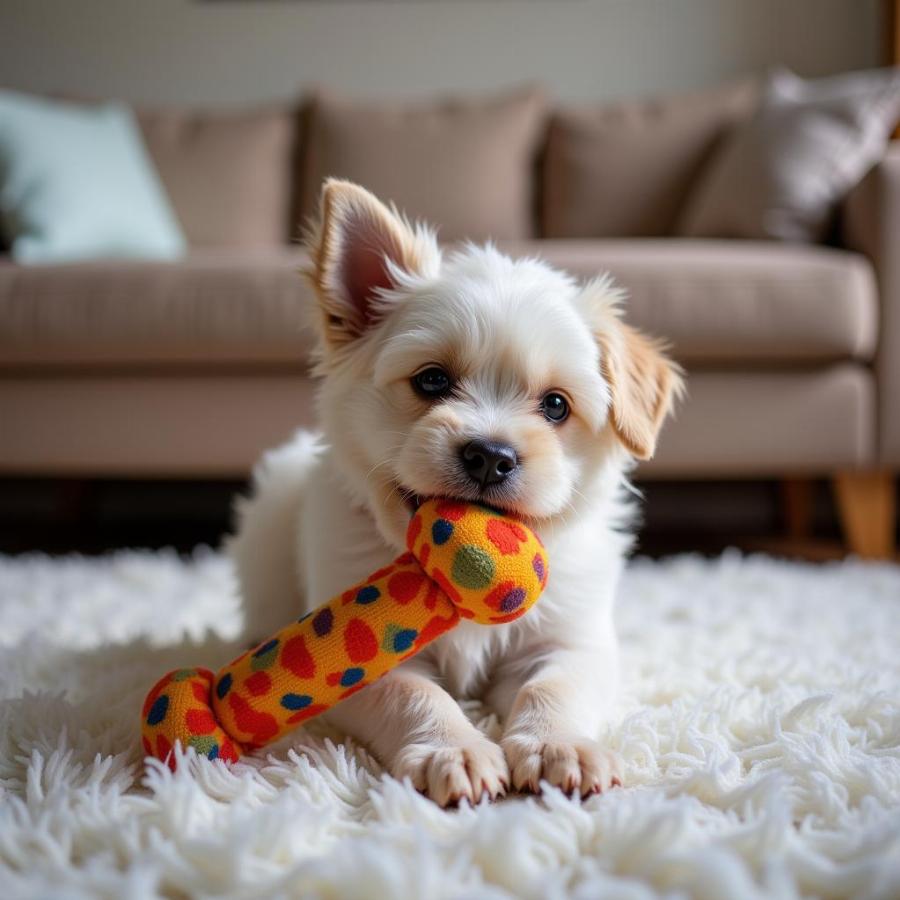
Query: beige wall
<point>190,51</point>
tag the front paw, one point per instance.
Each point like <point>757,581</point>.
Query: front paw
<point>580,765</point>
<point>450,773</point>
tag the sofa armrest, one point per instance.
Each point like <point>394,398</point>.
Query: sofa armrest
<point>871,225</point>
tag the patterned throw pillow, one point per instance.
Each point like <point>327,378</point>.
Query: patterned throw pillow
<point>783,173</point>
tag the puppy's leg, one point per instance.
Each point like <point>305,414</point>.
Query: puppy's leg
<point>553,718</point>
<point>417,729</point>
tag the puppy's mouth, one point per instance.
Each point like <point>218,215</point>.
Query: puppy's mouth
<point>412,500</point>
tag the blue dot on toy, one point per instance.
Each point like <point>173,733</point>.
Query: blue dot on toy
<point>352,676</point>
<point>403,640</point>
<point>158,710</point>
<point>224,685</point>
<point>441,531</point>
<point>266,647</point>
<point>296,701</point>
<point>368,594</point>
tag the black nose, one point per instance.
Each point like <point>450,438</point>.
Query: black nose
<point>488,462</point>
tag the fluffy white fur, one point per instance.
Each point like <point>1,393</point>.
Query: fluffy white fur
<point>325,513</point>
<point>758,724</point>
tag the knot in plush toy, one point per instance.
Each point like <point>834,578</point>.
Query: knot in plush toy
<point>465,561</point>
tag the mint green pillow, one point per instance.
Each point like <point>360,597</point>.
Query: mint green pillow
<point>76,183</point>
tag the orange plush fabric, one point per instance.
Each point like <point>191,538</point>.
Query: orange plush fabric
<point>464,561</point>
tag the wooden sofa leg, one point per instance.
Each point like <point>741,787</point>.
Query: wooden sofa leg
<point>866,507</point>
<point>797,507</point>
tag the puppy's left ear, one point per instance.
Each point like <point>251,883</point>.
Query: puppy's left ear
<point>361,250</point>
<point>643,382</point>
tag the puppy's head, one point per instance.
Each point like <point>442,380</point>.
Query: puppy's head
<point>475,377</point>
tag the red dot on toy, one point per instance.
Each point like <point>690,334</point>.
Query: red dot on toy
<point>297,658</point>
<point>200,721</point>
<point>404,586</point>
<point>258,684</point>
<point>360,641</point>
<point>505,536</point>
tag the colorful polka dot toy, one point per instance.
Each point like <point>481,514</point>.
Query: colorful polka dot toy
<point>464,562</point>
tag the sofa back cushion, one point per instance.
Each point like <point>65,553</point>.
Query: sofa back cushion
<point>626,169</point>
<point>227,173</point>
<point>466,166</point>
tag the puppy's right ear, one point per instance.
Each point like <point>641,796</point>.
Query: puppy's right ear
<point>360,252</point>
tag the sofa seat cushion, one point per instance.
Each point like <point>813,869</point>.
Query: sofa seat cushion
<point>215,307</point>
<point>734,302</point>
<point>718,302</point>
<point>763,424</point>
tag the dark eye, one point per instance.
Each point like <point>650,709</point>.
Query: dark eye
<point>555,407</point>
<point>432,383</point>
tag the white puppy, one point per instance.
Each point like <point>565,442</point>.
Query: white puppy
<point>475,377</point>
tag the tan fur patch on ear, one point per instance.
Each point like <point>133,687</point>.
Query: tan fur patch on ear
<point>644,384</point>
<point>355,238</point>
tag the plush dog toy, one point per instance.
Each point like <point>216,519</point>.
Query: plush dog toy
<point>464,562</point>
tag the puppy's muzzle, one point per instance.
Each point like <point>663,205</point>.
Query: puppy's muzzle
<point>488,462</point>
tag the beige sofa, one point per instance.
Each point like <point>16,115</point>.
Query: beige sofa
<point>192,369</point>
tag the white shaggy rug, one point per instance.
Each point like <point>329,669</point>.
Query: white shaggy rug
<point>760,729</point>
